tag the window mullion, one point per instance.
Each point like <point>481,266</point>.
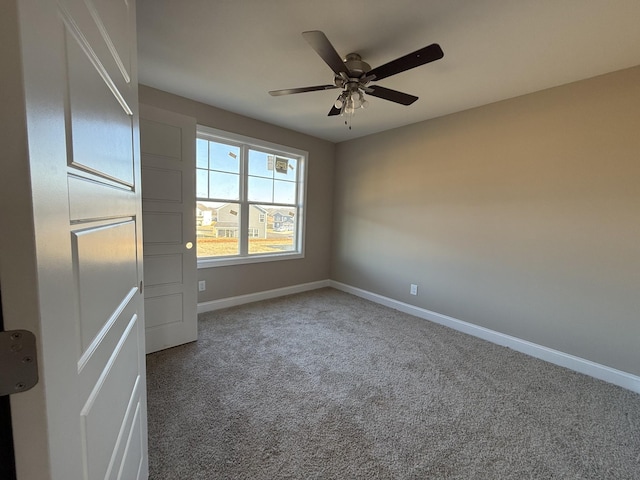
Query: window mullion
<point>244,204</point>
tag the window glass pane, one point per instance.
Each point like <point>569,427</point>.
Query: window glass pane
<point>286,168</point>
<point>224,185</point>
<point>277,234</point>
<point>217,229</point>
<point>260,189</point>
<point>202,153</point>
<point>284,192</point>
<point>225,158</point>
<point>202,183</point>
<point>261,164</point>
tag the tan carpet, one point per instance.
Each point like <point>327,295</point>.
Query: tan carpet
<point>325,385</point>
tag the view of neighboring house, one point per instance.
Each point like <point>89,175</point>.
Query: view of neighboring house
<point>204,215</point>
<point>283,221</point>
<point>224,220</point>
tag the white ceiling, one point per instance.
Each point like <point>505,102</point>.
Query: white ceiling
<point>230,53</point>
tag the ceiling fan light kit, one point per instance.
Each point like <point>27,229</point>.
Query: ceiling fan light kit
<point>354,76</point>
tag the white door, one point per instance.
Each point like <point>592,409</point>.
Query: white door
<point>71,247</point>
<point>167,146</point>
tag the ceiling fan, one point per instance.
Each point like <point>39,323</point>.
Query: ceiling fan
<point>353,75</point>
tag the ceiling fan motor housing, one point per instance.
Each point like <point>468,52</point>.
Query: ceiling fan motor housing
<point>356,66</point>
<point>357,70</point>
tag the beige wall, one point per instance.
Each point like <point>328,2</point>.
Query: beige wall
<point>522,216</point>
<point>223,282</point>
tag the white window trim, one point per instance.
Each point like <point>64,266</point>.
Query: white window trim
<point>303,159</point>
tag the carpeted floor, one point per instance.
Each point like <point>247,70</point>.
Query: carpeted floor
<point>325,385</point>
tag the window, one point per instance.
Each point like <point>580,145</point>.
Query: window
<point>249,199</point>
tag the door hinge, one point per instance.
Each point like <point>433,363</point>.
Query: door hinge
<point>18,361</point>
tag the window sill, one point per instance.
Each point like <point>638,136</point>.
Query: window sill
<point>229,261</point>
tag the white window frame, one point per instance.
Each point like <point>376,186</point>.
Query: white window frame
<point>245,143</point>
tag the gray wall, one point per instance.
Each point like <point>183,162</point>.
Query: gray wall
<point>522,216</point>
<point>223,282</point>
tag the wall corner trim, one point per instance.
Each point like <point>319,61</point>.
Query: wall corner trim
<point>256,297</point>
<point>580,365</point>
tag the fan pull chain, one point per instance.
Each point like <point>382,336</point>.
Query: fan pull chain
<point>347,122</point>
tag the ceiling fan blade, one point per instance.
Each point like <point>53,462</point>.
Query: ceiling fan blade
<point>334,111</point>
<point>425,55</point>
<point>289,91</point>
<point>391,95</point>
<point>321,44</point>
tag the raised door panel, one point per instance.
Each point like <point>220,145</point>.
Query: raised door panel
<point>164,310</point>
<point>163,270</point>
<point>105,261</point>
<point>133,453</point>
<point>161,140</point>
<point>113,19</point>
<point>111,406</point>
<point>163,228</point>
<point>107,26</point>
<point>94,110</point>
<point>162,184</point>
<point>83,191</point>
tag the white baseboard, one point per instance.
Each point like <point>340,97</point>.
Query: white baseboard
<point>587,367</point>
<point>256,297</point>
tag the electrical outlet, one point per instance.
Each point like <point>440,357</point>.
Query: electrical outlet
<point>202,285</point>
<point>414,289</point>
